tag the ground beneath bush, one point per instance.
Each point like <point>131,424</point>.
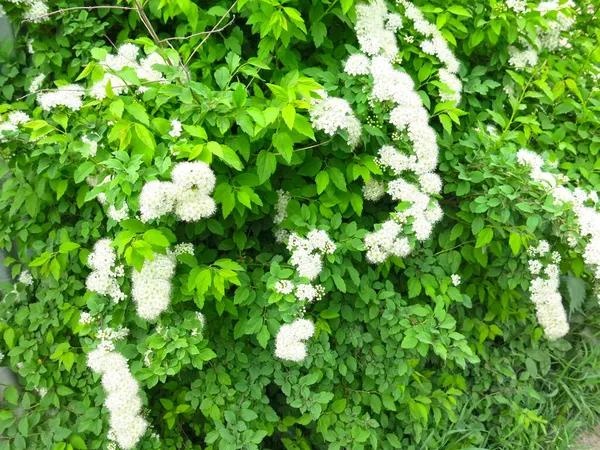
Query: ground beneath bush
<point>590,441</point>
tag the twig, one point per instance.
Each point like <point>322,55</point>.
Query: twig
<point>211,31</point>
<point>199,33</point>
<point>309,147</point>
<point>86,8</point>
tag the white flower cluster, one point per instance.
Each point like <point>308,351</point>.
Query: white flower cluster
<point>36,83</point>
<point>456,279</point>
<point>438,46</point>
<point>15,119</point>
<point>37,11</point>
<point>289,343</point>
<point>118,215</point>
<point>283,198</point>
<point>188,196</point>
<point>92,144</point>
<point>86,318</point>
<point>545,296</point>
<point>303,292</point>
<point>518,6</point>
<point>70,96</point>
<point>127,426</point>
<point>386,242</point>
<point>26,278</point>
<point>376,28</point>
<point>103,278</point>
<point>374,190</point>
<point>151,286</point>
<point>175,128</point>
<point>584,206</point>
<point>331,114</point>
<point>392,85</point>
<point>307,253</point>
<point>126,56</point>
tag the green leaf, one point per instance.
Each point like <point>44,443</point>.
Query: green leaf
<point>67,247</point>
<point>337,177</point>
<point>576,289</point>
<point>303,126</point>
<point>322,180</point>
<point>409,342</point>
<point>515,242</point>
<point>206,354</point>
<point>156,238</point>
<point>83,170</point>
<point>266,165</point>
<point>117,107</point>
<point>459,11</point>
<point>139,113</point>
<point>11,395</point>
<point>284,145</point>
<point>289,115</point>
<point>77,442</point>
<point>61,188</point>
<point>484,237</point>
<point>318,31</point>
<point>222,76</point>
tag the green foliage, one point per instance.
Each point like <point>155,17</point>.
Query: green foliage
<point>401,357</point>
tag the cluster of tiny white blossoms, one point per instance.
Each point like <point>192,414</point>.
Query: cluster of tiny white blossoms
<point>86,318</point>
<point>331,114</point>
<point>70,96</point>
<point>175,128</point>
<point>549,38</point>
<point>188,195</point>
<point>103,278</point>
<point>26,278</point>
<point>584,206</point>
<point>518,6</point>
<point>408,114</point>
<point>127,56</point>
<point>304,292</point>
<point>13,121</point>
<point>436,45</point>
<point>91,143</point>
<point>307,253</point>
<point>456,279</point>
<point>289,343</point>
<point>151,286</point>
<point>374,190</point>
<point>127,426</point>
<point>37,11</point>
<point>283,198</point>
<point>550,312</point>
<point>36,83</point>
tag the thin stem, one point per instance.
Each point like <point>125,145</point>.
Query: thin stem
<point>211,31</point>
<point>183,38</point>
<point>309,147</point>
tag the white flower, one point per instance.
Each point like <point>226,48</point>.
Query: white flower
<point>283,198</point>
<point>118,214</point>
<point>151,287</point>
<point>518,6</point>
<point>456,280</point>
<point>86,318</point>
<point>374,190</point>
<point>69,96</point>
<point>284,287</point>
<point>307,253</point>
<point>332,114</point>
<point>18,117</point>
<point>175,128</point>
<point>454,83</point>
<point>36,83</point>
<point>92,144</point>
<point>194,205</point>
<point>197,174</point>
<point>357,64</point>
<point>37,11</point>
<point>309,293</point>
<point>289,343</point>
<point>156,199</point>
<point>26,278</point>
<point>122,397</point>
<point>102,279</point>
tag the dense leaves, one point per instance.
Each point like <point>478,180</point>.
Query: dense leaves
<point>401,357</point>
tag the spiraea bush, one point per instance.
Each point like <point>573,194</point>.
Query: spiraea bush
<point>264,224</point>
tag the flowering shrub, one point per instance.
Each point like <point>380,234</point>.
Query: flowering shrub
<point>263,224</point>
